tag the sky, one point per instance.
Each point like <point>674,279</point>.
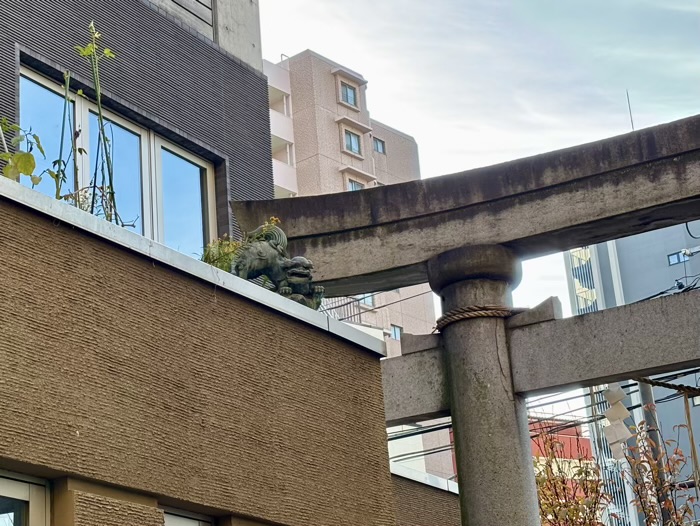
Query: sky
<point>478,82</point>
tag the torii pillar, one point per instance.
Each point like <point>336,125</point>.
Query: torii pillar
<point>494,461</point>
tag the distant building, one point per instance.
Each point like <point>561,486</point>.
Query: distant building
<point>324,141</point>
<point>633,269</point>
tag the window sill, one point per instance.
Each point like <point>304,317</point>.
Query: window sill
<point>349,106</point>
<point>353,124</point>
<point>356,172</point>
<point>353,154</point>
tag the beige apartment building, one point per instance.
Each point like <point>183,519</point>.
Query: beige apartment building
<point>324,141</point>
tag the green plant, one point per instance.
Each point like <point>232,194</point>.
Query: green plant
<point>99,197</point>
<point>222,252</point>
<point>93,54</point>
<point>21,162</point>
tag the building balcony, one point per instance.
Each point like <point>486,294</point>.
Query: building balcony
<point>285,177</point>
<point>281,126</point>
<point>277,76</point>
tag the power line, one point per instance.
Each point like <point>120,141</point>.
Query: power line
<point>397,435</point>
<point>669,376</point>
<point>687,227</point>
<point>595,418</point>
<point>629,107</point>
<point>353,300</point>
<point>418,431</point>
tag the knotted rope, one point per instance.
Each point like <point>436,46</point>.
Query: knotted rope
<point>475,311</point>
<point>685,389</point>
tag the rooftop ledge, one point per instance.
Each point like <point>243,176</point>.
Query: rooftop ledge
<point>424,478</point>
<point>68,214</point>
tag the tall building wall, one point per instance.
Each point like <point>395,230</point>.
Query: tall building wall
<point>321,116</point>
<point>324,165</point>
<point>233,24</point>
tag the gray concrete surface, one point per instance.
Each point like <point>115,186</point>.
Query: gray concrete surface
<point>415,387</point>
<point>381,238</point>
<point>651,337</point>
<point>489,421</point>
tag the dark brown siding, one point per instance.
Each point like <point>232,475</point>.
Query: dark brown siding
<point>122,371</point>
<point>421,505</point>
<point>166,77</point>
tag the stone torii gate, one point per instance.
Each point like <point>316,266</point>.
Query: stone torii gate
<point>465,234</point>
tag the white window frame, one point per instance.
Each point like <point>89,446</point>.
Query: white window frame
<point>33,491</point>
<point>366,300</point>
<point>209,191</point>
<point>399,331</point>
<point>151,173</point>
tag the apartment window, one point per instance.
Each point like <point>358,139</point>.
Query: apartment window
<point>162,191</point>
<point>366,299</point>
<point>352,142</point>
<point>396,332</point>
<point>354,185</point>
<point>23,503</point>
<point>379,146</point>
<point>676,258</point>
<point>348,94</point>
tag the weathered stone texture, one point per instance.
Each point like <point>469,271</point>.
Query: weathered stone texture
<point>421,505</point>
<point>122,371</point>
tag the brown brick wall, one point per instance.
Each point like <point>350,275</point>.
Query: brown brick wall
<point>119,370</point>
<point>421,505</point>
<point>96,510</point>
<point>166,77</point>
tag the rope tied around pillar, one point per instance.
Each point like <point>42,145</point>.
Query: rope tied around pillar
<point>475,311</point>
<point>685,389</point>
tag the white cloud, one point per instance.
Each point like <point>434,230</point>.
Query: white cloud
<point>478,82</point>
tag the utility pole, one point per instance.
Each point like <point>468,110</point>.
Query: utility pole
<point>658,450</point>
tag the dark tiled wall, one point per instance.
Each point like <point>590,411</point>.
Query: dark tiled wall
<point>166,77</point>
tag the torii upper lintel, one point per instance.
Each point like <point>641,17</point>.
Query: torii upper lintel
<point>381,238</point>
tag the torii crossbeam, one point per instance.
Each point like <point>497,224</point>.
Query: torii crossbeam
<point>465,234</point>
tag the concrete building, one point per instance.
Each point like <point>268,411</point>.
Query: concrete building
<point>325,141</point>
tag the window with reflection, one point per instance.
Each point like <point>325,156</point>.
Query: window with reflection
<point>42,110</point>
<point>13,512</point>
<point>166,195</point>
<point>184,191</point>
<point>125,147</point>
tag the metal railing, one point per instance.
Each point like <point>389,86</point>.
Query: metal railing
<point>346,309</point>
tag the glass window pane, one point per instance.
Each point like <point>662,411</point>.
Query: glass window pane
<point>42,110</point>
<point>183,204</point>
<point>354,185</point>
<point>12,512</point>
<point>126,164</point>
